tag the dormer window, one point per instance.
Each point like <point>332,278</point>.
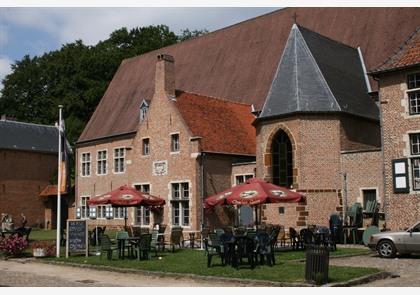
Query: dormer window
<point>143,110</point>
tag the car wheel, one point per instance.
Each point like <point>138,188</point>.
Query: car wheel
<point>386,249</point>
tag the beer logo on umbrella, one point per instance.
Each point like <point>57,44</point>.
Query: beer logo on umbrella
<point>278,193</point>
<point>248,194</point>
<point>126,197</point>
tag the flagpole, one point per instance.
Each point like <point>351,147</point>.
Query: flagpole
<point>60,107</point>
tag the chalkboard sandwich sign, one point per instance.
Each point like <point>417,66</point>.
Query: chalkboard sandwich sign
<point>77,237</point>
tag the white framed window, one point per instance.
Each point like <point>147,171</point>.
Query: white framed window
<point>120,212</point>
<point>143,111</point>
<point>144,106</point>
<point>415,160</point>
<point>142,214</point>
<point>175,146</point>
<point>85,164</point>
<point>242,178</point>
<point>180,203</point>
<point>145,147</point>
<point>101,162</point>
<point>101,211</point>
<point>119,160</point>
<point>413,85</point>
<point>84,207</point>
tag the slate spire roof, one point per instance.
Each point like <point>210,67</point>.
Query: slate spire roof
<point>317,74</point>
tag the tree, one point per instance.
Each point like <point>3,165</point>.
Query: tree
<point>76,76</point>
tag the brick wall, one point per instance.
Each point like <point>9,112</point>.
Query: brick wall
<point>247,168</point>
<point>359,133</point>
<point>364,171</point>
<point>403,209</point>
<point>23,175</point>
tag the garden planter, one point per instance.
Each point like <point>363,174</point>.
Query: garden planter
<point>39,252</point>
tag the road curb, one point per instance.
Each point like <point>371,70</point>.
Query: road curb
<point>244,282</point>
<point>362,280</point>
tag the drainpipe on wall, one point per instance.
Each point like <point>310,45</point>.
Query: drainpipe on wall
<point>385,194</point>
<point>202,156</point>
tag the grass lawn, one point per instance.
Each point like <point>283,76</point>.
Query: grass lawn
<point>42,235</point>
<point>195,262</point>
<point>287,269</point>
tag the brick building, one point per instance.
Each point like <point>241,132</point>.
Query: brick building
<point>399,94</point>
<point>181,125</point>
<point>28,165</point>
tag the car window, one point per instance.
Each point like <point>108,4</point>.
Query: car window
<point>416,229</point>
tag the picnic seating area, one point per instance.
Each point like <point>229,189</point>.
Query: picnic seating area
<point>234,246</point>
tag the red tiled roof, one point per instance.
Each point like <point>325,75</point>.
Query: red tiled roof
<point>49,191</point>
<point>239,62</point>
<point>225,126</point>
<point>407,55</point>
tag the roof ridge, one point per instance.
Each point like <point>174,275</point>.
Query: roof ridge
<point>214,97</point>
<point>326,37</point>
<point>210,33</point>
<point>397,51</point>
<point>27,123</point>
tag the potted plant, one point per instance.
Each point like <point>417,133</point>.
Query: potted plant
<point>43,248</point>
<point>12,246</point>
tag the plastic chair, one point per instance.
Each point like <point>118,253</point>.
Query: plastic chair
<point>143,248</point>
<point>175,238</point>
<point>295,239</point>
<point>107,247</point>
<point>213,247</point>
<point>244,248</point>
<point>265,249</point>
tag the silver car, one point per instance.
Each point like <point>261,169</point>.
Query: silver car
<point>388,244</point>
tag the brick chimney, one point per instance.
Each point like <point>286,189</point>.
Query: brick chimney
<point>165,75</point>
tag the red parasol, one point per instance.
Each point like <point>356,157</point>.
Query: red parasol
<point>254,192</point>
<point>126,196</point>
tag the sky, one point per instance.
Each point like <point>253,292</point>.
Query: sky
<point>34,31</point>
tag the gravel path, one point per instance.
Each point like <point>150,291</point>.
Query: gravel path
<point>18,273</point>
<point>407,267</point>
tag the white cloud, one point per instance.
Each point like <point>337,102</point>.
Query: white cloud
<point>5,68</point>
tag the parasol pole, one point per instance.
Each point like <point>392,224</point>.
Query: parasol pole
<point>60,107</point>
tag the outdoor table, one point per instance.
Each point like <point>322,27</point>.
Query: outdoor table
<point>121,245</point>
<point>191,234</point>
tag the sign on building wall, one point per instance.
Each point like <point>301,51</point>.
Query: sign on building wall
<point>160,168</point>
<point>400,176</point>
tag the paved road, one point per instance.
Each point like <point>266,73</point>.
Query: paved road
<point>408,268</point>
<point>19,273</point>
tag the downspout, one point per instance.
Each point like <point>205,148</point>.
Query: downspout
<point>202,184</point>
<point>382,155</point>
